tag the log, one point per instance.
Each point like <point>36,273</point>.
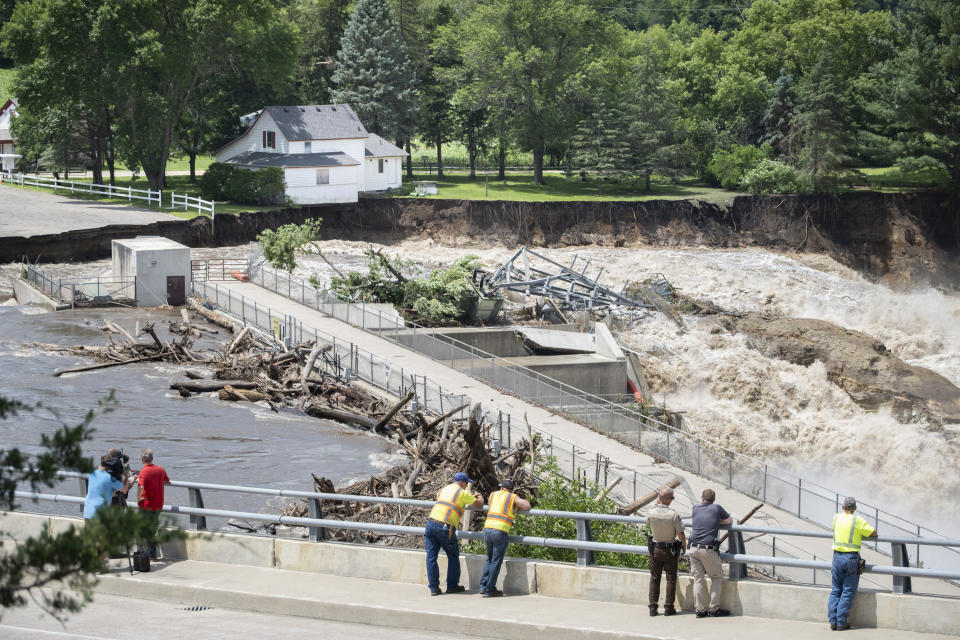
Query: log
<point>248,395</point>
<point>148,329</point>
<point>607,489</point>
<point>408,487</point>
<point>201,386</point>
<point>741,521</point>
<point>307,368</point>
<point>403,401</point>
<point>434,423</point>
<point>216,317</point>
<point>340,415</point>
<point>236,341</point>
<point>193,375</point>
<point>104,365</point>
<point>646,499</point>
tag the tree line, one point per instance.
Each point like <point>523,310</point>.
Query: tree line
<point>778,95</point>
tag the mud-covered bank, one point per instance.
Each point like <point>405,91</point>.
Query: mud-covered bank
<point>898,238</point>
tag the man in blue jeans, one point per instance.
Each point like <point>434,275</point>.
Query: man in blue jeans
<point>441,532</point>
<point>504,505</point>
<point>848,530</point>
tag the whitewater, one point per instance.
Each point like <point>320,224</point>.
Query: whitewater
<point>788,415</point>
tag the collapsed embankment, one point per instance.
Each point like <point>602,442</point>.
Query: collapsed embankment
<point>898,238</point>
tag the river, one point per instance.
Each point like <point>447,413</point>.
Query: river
<point>200,438</point>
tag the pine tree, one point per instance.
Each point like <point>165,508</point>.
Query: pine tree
<point>600,145</point>
<point>373,72</point>
<point>823,125</point>
<point>778,119</point>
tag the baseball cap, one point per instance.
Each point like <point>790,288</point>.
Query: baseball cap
<point>849,502</point>
<point>507,484</point>
<point>461,477</point>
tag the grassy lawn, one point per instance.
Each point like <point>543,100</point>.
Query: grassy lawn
<point>6,80</point>
<point>558,187</point>
<point>892,179</point>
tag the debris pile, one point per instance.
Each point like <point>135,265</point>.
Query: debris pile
<point>436,454</point>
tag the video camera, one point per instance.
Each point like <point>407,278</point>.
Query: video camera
<point>117,464</point>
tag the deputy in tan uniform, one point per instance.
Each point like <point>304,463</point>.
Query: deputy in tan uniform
<point>667,544</point>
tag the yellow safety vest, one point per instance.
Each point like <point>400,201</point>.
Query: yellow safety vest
<point>447,510</point>
<point>846,533</point>
<point>502,511</point>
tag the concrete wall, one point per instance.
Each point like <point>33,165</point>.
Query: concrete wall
<point>153,267</point>
<point>25,293</point>
<point>924,614</point>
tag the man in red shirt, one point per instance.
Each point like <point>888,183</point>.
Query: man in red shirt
<point>150,496</point>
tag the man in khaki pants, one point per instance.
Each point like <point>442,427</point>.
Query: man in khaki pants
<point>705,555</point>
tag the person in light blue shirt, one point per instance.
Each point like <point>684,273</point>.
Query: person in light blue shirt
<point>101,486</point>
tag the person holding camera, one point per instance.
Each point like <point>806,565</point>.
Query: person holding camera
<point>152,479</point>
<point>106,479</point>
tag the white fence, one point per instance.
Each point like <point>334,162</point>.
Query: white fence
<point>110,191</point>
<point>106,190</point>
<point>189,202</point>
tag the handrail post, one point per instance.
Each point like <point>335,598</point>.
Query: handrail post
<point>735,544</point>
<point>584,534</point>
<point>901,584</point>
<point>317,534</point>
<point>197,523</point>
<point>84,487</point>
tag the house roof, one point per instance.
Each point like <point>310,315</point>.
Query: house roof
<point>377,147</point>
<point>317,122</point>
<point>260,160</point>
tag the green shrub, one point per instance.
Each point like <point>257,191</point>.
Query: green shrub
<point>558,493</point>
<point>280,247</point>
<point>213,180</point>
<point>773,176</point>
<point>256,186</point>
<point>727,168</point>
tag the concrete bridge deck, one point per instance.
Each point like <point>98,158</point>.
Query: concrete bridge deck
<point>412,362</point>
<point>408,606</point>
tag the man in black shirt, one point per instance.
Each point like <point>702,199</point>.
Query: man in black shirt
<point>705,555</point>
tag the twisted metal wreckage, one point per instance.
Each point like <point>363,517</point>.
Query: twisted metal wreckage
<point>569,290</point>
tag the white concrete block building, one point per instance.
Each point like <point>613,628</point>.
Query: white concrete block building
<point>161,266</point>
<point>324,150</point>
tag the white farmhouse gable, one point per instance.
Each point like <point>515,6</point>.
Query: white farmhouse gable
<point>324,150</point>
<point>8,159</point>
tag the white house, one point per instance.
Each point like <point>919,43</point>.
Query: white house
<point>7,157</point>
<point>324,150</point>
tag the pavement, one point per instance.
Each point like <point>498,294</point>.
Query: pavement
<point>122,617</point>
<point>626,458</point>
<point>25,213</point>
<point>194,597</point>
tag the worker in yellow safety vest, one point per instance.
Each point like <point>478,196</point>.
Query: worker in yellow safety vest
<point>848,530</point>
<point>504,505</point>
<point>441,532</point>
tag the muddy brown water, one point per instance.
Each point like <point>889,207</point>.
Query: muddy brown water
<point>199,439</point>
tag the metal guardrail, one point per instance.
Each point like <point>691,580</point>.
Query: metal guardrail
<point>81,292</point>
<point>584,545</point>
<point>216,268</point>
<point>780,488</point>
<point>106,190</point>
<point>575,462</point>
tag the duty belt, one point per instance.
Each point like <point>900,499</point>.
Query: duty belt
<point>663,545</point>
<point>703,546</point>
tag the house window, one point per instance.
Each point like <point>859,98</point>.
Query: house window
<point>323,176</point>
<point>269,140</point>
<point>308,147</point>
<point>381,162</point>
